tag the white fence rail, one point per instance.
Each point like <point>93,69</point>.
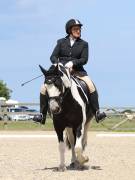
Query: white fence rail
<point>115,111</point>
<point>124,114</point>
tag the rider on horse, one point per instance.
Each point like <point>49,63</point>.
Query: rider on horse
<point>72,52</point>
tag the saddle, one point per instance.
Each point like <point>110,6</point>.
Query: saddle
<point>82,88</point>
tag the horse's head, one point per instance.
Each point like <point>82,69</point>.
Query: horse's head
<point>57,80</point>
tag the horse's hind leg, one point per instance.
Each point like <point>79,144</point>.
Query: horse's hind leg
<point>81,143</point>
<point>84,140</point>
<point>81,159</point>
<point>80,134</point>
<point>71,139</point>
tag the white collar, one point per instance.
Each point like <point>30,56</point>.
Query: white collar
<point>72,40</point>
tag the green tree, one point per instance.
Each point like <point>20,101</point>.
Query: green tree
<point>4,90</point>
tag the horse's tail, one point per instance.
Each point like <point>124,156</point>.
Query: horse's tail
<point>67,141</point>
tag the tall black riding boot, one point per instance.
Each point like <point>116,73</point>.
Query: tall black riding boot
<point>95,105</point>
<point>43,107</point>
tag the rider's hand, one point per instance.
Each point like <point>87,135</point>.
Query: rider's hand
<point>69,65</point>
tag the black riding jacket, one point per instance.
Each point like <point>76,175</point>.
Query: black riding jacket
<point>78,53</point>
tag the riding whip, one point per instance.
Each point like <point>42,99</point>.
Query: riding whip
<point>31,80</point>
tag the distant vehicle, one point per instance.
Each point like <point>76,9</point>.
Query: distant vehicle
<point>23,114</point>
<point>19,116</point>
<point>32,113</point>
<point>31,110</point>
<point>23,107</point>
<point>15,109</point>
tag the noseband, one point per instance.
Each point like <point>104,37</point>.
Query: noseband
<point>61,97</point>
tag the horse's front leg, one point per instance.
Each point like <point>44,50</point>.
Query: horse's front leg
<point>62,166</point>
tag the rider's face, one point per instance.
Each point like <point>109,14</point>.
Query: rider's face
<point>76,31</point>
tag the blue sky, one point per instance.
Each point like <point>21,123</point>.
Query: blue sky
<point>29,30</point>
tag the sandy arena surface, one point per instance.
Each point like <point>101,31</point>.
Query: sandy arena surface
<point>111,158</point>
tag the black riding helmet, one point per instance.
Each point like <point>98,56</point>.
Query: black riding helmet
<point>71,23</point>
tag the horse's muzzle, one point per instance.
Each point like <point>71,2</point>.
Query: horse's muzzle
<point>56,110</point>
<point>54,107</point>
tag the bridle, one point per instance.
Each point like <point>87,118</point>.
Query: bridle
<point>61,97</point>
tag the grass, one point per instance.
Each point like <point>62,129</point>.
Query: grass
<point>26,125</point>
<point>109,123</point>
<point>106,125</point>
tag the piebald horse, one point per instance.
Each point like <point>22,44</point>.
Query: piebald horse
<point>71,111</point>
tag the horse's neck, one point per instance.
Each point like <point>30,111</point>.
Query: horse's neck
<point>74,90</point>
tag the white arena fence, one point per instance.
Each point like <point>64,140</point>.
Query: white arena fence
<point>110,111</point>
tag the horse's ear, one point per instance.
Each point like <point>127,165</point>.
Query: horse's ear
<point>56,68</point>
<point>43,70</point>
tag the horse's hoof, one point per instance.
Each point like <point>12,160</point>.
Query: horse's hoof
<point>82,159</point>
<point>86,159</point>
<point>61,168</point>
<point>73,165</point>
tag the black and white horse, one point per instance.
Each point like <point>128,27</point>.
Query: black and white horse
<point>71,110</point>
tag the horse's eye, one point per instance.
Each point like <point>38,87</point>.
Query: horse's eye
<point>48,81</point>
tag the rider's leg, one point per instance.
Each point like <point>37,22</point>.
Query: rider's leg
<point>93,98</point>
<point>43,103</point>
